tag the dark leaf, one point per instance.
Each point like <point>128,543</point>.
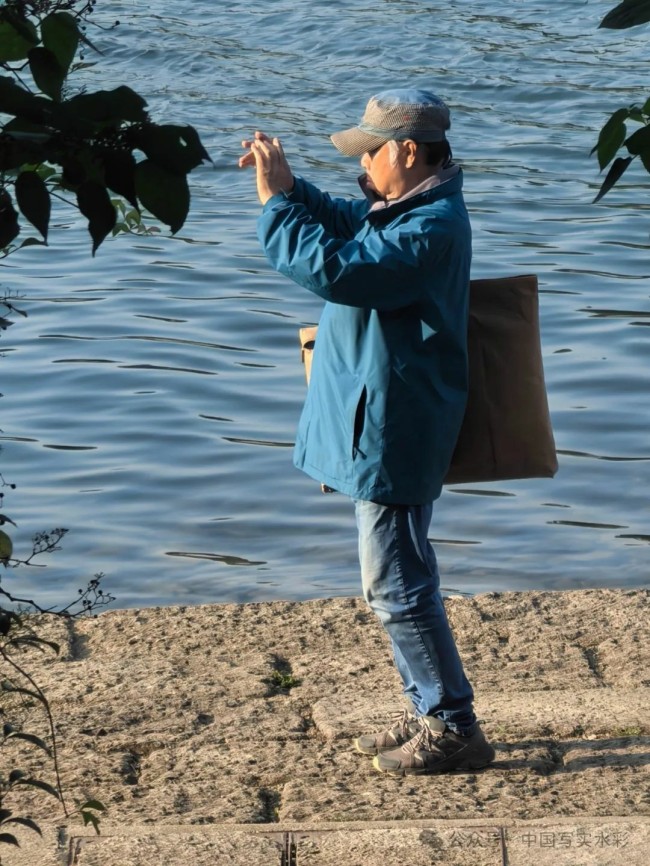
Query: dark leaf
<point>611,137</point>
<point>629,13</point>
<point>165,195</point>
<point>5,323</point>
<point>4,814</point>
<point>8,839</point>
<point>12,45</point>
<point>70,121</point>
<point>7,728</point>
<point>613,175</point>
<point>19,127</point>
<point>9,227</point>
<point>31,242</point>
<point>61,35</point>
<point>10,687</point>
<point>18,102</point>
<point>21,24</point>
<point>638,141</point>
<point>191,138</point>
<point>42,786</point>
<point>18,149</point>
<point>16,38</point>
<point>32,739</point>
<point>6,547</point>
<point>644,156</point>
<point>46,72</point>
<point>74,172</point>
<point>177,149</point>
<point>25,822</point>
<point>12,154</point>
<point>95,204</point>
<point>109,106</point>
<point>4,519</point>
<point>119,173</point>
<point>127,104</point>
<point>646,108</point>
<point>24,142</point>
<point>33,199</point>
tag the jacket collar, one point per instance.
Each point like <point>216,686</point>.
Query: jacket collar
<point>440,185</point>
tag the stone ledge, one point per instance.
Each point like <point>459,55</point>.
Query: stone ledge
<point>225,718</point>
<point>607,841</point>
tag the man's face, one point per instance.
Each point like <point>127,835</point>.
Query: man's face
<point>386,170</point>
<point>377,165</point>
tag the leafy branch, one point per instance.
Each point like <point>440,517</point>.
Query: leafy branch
<point>614,134</point>
<point>101,153</point>
<point>16,635</point>
<point>87,144</point>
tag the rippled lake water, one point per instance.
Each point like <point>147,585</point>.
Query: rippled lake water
<point>152,395</point>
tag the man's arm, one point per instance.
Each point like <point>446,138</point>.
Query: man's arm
<point>340,217</point>
<point>375,273</point>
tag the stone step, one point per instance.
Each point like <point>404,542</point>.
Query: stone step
<point>606,841</point>
<point>593,713</point>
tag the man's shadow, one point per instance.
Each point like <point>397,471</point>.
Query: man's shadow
<point>572,756</point>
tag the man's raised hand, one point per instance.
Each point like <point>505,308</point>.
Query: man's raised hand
<point>272,169</point>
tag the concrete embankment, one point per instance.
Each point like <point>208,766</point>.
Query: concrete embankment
<point>221,734</point>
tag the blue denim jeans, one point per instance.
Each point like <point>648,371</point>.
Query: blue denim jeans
<point>401,584</point>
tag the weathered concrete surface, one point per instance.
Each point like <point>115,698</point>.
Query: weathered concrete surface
<point>568,842</point>
<point>391,846</point>
<point>179,716</point>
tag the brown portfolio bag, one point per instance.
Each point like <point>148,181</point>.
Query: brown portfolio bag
<point>506,432</point>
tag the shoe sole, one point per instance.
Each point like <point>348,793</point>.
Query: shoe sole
<point>468,763</point>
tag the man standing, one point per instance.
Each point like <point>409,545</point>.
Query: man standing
<point>388,387</point>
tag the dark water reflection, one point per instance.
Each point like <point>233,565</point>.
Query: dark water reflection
<point>152,395</point>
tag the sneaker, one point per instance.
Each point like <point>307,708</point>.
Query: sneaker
<point>405,726</point>
<point>436,749</point>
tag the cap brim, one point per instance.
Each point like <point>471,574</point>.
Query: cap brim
<point>355,142</point>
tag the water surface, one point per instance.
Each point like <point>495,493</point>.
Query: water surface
<point>152,395</point>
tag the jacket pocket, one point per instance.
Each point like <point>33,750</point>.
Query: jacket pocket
<point>359,422</point>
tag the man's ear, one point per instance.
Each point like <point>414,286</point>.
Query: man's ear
<point>411,148</point>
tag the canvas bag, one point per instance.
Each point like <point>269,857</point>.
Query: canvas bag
<point>506,432</point>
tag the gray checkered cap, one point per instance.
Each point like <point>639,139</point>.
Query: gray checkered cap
<point>395,114</point>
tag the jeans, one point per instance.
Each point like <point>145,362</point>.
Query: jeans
<point>401,585</point>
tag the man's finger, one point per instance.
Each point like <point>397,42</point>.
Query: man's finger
<point>262,147</point>
<point>246,160</point>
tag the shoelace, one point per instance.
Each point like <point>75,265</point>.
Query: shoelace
<point>401,721</point>
<point>426,739</point>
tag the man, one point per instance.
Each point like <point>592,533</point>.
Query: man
<point>388,387</point>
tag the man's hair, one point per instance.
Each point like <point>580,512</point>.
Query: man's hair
<point>437,152</point>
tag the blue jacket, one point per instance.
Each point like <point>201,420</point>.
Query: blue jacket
<point>389,373</point>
